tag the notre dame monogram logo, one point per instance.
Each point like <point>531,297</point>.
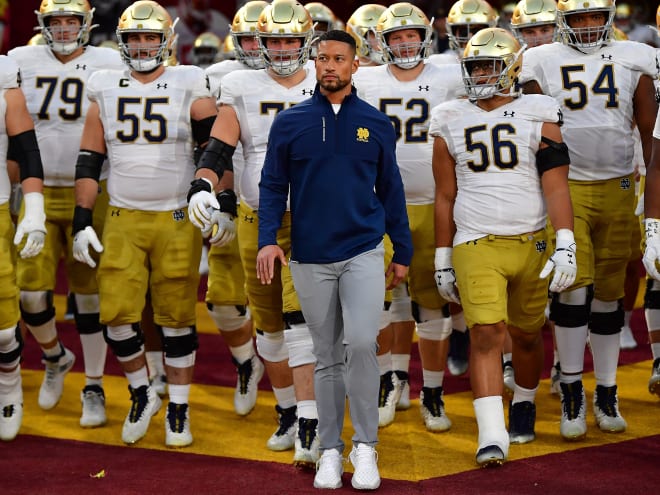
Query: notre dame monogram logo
<point>178,215</point>
<point>541,246</point>
<point>363,135</point>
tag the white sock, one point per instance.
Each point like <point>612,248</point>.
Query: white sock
<point>285,397</point>
<point>384,362</point>
<point>138,378</point>
<point>307,409</point>
<point>155,363</point>
<point>521,394</point>
<point>571,342</point>
<point>94,350</point>
<point>432,379</point>
<point>243,352</point>
<point>401,362</point>
<point>605,351</point>
<point>178,393</point>
<point>507,357</point>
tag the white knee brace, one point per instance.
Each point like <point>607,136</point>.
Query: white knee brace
<point>401,307</point>
<point>434,325</point>
<point>35,301</point>
<point>271,346</point>
<point>299,342</point>
<point>10,348</point>
<point>228,318</point>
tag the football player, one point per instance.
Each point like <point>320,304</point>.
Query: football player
<point>362,26</point>
<point>225,297</point>
<point>406,89</point>
<point>145,118</point>
<point>249,101</point>
<point>534,22</point>
<point>17,131</point>
<point>55,85</point>
<point>500,171</point>
<point>602,86</point>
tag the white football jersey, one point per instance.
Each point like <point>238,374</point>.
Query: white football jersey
<point>595,93</point>
<point>56,98</point>
<point>408,104</point>
<point>499,186</point>
<point>147,128</point>
<point>256,98</point>
<point>9,79</point>
<point>448,57</point>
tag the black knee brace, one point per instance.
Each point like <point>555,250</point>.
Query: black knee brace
<point>651,297</point>
<point>128,347</point>
<point>88,323</point>
<point>181,345</point>
<point>607,323</point>
<point>568,315</point>
<point>36,319</point>
<point>293,318</point>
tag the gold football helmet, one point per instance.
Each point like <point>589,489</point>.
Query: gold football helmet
<point>145,16</point>
<point>53,36</point>
<point>498,55</point>
<point>245,25</point>
<point>399,16</point>
<point>285,19</point>
<point>206,49</point>
<point>324,18</point>
<point>585,39</point>
<point>533,13</point>
<point>465,18</point>
<point>657,18</point>
<point>362,26</point>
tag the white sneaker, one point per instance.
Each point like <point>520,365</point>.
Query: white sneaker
<point>329,469</point>
<point>177,426</point>
<point>365,461</point>
<point>11,416</point>
<point>159,384</point>
<point>50,392</point>
<point>404,391</point>
<point>573,423</point>
<point>249,375</point>
<point>432,408</point>
<point>509,378</point>
<point>626,338</point>
<point>284,437</point>
<point>93,407</point>
<point>307,443</point>
<point>387,398</point>
<point>145,403</point>
<point>606,410</point>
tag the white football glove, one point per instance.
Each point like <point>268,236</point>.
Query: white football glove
<point>562,261</point>
<point>445,277</point>
<point>81,243</point>
<point>33,225</point>
<point>200,207</point>
<point>222,228</point>
<point>652,250</point>
<point>639,209</point>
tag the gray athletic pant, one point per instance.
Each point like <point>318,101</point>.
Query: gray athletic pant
<point>342,304</point>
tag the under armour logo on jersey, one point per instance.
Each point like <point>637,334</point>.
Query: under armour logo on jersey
<point>423,88</point>
<point>81,67</point>
<point>159,86</point>
<point>248,218</point>
<point>363,135</point>
<point>625,183</point>
<point>178,215</point>
<point>509,114</point>
<point>310,92</point>
<point>605,57</point>
<point>114,213</point>
<point>541,246</point>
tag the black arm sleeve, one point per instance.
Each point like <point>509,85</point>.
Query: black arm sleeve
<point>201,129</point>
<point>555,155</point>
<point>25,150</point>
<point>89,165</point>
<point>217,157</point>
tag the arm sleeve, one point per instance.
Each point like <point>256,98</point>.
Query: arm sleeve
<point>389,189</point>
<point>274,185</point>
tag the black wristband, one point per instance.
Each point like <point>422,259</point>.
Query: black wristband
<point>82,218</point>
<point>198,185</point>
<point>227,201</point>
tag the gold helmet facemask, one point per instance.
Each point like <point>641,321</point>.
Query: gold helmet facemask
<point>245,25</point>
<point>585,39</point>
<point>206,49</point>
<point>55,36</point>
<point>466,18</point>
<point>285,19</point>
<point>362,27</point>
<point>533,14</point>
<point>401,16</point>
<point>145,16</point>
<point>499,55</point>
